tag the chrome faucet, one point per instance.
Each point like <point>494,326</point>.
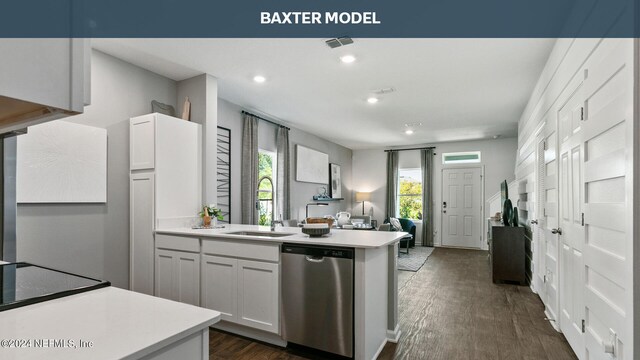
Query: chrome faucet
<point>274,222</point>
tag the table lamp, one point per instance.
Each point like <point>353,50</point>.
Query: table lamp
<point>362,197</point>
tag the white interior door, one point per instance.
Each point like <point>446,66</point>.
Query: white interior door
<point>538,220</point>
<point>462,207</point>
<point>571,231</point>
<point>548,217</point>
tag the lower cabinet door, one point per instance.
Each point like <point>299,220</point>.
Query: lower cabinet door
<point>178,276</point>
<point>258,289</point>
<point>188,277</point>
<point>220,286</point>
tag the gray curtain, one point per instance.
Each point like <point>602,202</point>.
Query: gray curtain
<point>283,175</point>
<point>392,183</point>
<point>249,170</point>
<point>426,163</point>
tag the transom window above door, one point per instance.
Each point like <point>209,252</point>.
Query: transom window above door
<point>467,157</point>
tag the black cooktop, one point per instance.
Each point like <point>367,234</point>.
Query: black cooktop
<point>25,284</point>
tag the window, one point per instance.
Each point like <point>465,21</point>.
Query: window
<point>266,186</point>
<point>410,193</point>
<point>461,157</point>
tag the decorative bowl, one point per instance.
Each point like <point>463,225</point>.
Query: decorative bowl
<point>316,232</point>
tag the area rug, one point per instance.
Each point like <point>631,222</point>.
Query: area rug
<point>415,259</point>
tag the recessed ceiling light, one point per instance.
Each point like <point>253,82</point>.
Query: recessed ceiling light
<point>348,59</point>
<point>408,132</point>
<point>372,100</point>
<point>259,79</point>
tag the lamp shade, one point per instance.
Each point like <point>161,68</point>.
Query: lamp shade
<point>363,196</point>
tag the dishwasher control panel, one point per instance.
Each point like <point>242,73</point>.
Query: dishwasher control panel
<point>318,251</point>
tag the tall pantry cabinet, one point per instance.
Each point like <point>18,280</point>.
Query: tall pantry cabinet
<point>165,183</point>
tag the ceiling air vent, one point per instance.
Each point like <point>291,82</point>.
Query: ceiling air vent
<point>387,90</point>
<point>337,42</point>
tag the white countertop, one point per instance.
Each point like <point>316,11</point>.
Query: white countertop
<point>337,237</point>
<point>121,324</point>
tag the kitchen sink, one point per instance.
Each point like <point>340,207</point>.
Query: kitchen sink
<point>260,233</point>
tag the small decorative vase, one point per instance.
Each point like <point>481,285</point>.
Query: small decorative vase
<point>206,220</point>
<point>507,213</point>
<point>515,219</point>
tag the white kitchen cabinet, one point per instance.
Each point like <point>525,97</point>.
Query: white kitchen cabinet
<point>246,292</point>
<point>142,143</point>
<point>141,192</point>
<point>166,151</point>
<point>220,286</point>
<point>42,80</point>
<point>178,276</point>
<point>258,294</point>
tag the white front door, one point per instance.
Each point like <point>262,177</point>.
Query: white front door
<point>462,207</point>
<point>570,118</point>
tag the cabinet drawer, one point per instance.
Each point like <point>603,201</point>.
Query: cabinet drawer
<point>181,243</point>
<point>242,249</point>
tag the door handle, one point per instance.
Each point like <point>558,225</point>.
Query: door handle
<point>314,259</point>
<point>444,204</point>
<point>534,222</point>
<point>556,231</point>
<point>444,211</point>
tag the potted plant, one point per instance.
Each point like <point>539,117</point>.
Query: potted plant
<point>208,212</point>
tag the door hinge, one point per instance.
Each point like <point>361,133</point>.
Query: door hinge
<point>544,279</point>
<point>582,219</point>
<point>544,145</point>
<point>582,113</point>
<point>583,326</point>
<point>544,212</point>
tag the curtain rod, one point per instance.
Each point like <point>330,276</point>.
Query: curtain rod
<point>267,120</point>
<point>419,148</point>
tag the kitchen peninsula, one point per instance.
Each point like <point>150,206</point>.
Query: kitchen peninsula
<point>237,270</point>
<point>106,323</point>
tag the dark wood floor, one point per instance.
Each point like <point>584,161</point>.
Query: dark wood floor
<point>449,309</point>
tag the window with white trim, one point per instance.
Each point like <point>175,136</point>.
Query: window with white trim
<point>410,194</point>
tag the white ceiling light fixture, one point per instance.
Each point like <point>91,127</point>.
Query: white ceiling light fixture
<point>372,100</point>
<point>348,59</point>
<point>259,79</point>
<point>410,127</point>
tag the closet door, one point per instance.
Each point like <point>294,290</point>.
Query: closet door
<point>571,230</point>
<point>548,216</point>
<point>608,137</point>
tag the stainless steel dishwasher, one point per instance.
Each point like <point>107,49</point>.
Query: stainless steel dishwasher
<point>317,297</point>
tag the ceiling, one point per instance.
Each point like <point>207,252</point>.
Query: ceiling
<point>459,89</point>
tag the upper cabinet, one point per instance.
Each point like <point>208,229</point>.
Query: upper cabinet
<point>42,80</point>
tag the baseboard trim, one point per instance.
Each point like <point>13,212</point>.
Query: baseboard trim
<point>394,335</point>
<point>554,323</point>
<point>375,356</point>
<point>462,247</point>
<point>248,332</point>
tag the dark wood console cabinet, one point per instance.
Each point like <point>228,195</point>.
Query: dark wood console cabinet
<point>507,253</point>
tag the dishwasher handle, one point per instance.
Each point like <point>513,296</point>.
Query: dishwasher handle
<point>314,259</point>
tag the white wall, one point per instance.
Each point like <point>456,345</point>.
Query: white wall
<point>202,91</point>
<point>93,239</point>
<point>230,116</point>
<point>369,168</point>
